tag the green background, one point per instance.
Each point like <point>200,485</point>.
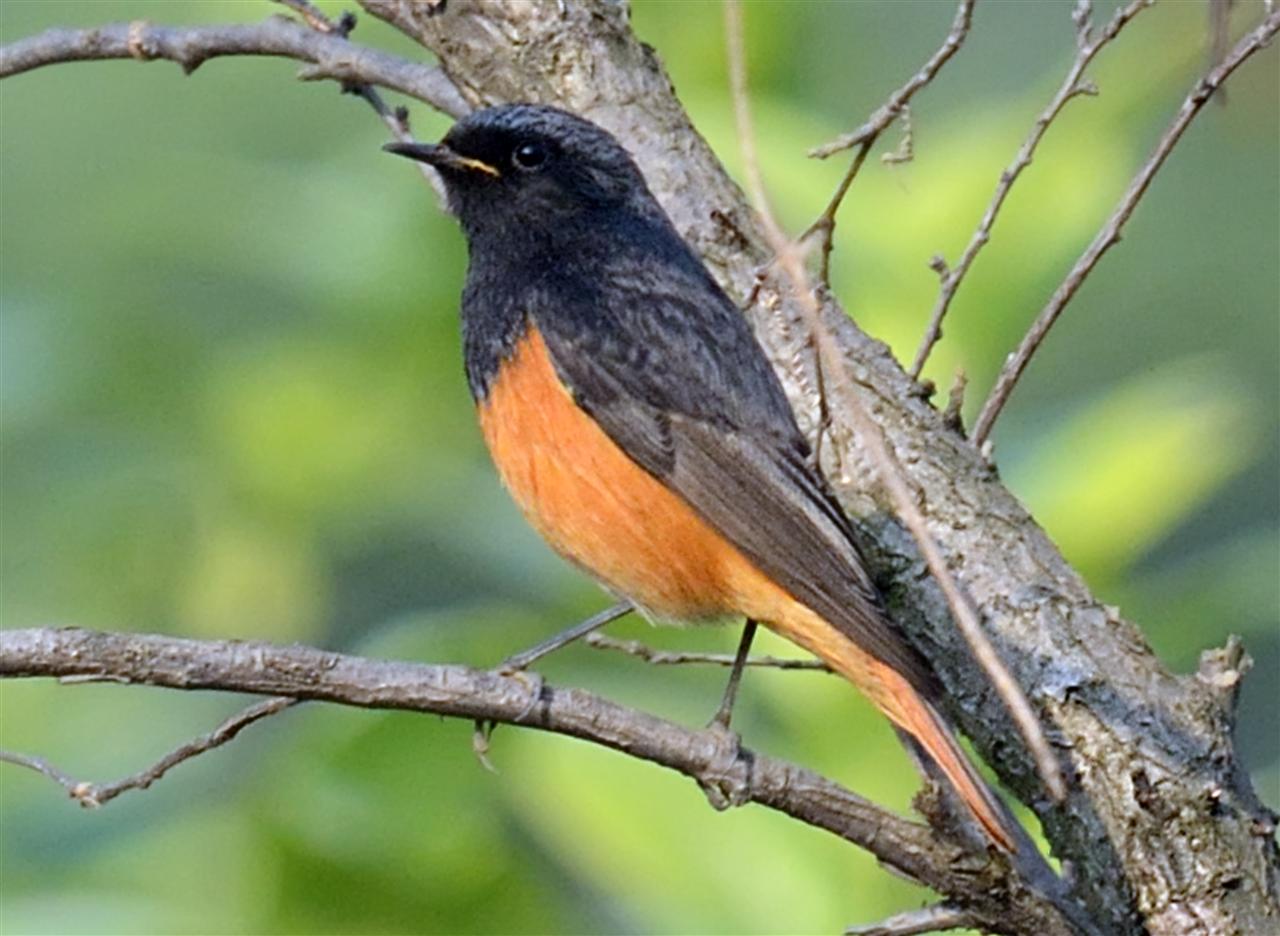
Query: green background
<point>232,406</point>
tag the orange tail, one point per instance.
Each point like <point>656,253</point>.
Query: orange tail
<point>894,695</point>
<point>923,722</point>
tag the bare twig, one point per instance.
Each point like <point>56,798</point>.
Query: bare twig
<point>92,795</point>
<point>830,361</point>
<point>1017,362</point>
<point>675,658</point>
<point>953,415</point>
<point>317,20</point>
<point>888,112</point>
<point>906,149</point>
<point>41,766</point>
<point>866,135</point>
<point>321,44</point>
<point>1219,30</point>
<point>965,614</point>
<point>721,769</point>
<point>396,120</point>
<point>934,919</point>
<point>825,224</point>
<point>742,115</point>
<point>329,54</point>
<point>1073,85</point>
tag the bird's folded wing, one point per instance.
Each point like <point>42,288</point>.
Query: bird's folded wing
<point>755,487</point>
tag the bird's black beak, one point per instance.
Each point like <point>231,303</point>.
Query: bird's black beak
<point>440,156</point>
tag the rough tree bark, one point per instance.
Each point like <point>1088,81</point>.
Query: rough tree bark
<point>1161,828</point>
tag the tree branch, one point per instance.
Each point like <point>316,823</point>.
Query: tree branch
<point>1017,362</point>
<point>1073,85</point>
<point>329,55</point>
<point>727,773</point>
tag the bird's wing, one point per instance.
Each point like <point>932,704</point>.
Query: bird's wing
<point>673,375</point>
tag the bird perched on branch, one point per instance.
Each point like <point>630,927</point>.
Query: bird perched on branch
<point>637,423</point>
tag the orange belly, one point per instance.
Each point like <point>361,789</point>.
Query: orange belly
<point>596,506</point>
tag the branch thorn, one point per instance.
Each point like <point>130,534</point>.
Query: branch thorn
<point>480,743</point>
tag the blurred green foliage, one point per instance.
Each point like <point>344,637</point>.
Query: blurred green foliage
<point>232,406</point>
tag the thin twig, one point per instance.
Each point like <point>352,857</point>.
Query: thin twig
<point>322,45</point>
<point>1017,362</point>
<point>888,112</point>
<point>330,56</point>
<point>742,114</point>
<point>934,919</point>
<point>41,766</point>
<point>865,136</point>
<point>316,19</point>
<point>825,224</point>
<point>397,120</point>
<point>953,415</point>
<point>906,149</point>
<point>830,361</point>
<point>91,795</point>
<point>1219,31</point>
<point>1073,85</point>
<point>675,658</point>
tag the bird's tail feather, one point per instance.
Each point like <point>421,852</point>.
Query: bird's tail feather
<point>931,731</point>
<point>894,694</point>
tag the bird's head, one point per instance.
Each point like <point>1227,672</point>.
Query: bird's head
<point>528,168</point>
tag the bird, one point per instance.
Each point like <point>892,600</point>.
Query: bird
<point>637,423</point>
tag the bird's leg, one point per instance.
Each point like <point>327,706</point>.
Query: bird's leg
<point>725,711</point>
<point>522,661</point>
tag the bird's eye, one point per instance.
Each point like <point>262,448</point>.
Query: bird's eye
<point>529,155</point>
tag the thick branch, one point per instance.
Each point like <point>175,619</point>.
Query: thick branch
<point>329,56</point>
<point>727,773</point>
